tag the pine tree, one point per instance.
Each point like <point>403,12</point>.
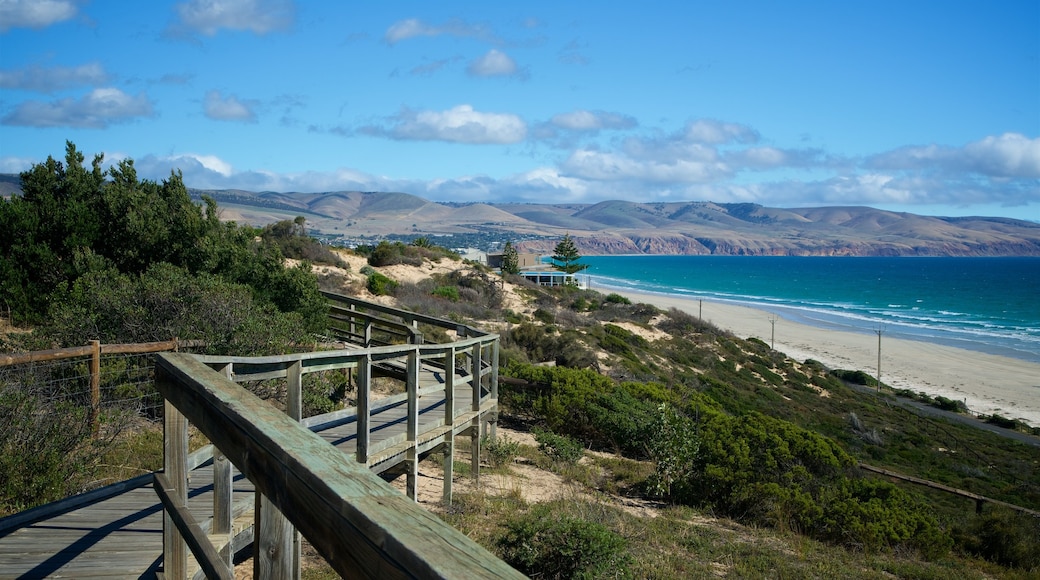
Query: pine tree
<point>566,256</point>
<point>510,259</point>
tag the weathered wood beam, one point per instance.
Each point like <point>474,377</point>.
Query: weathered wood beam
<point>362,526</point>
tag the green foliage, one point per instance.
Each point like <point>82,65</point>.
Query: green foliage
<point>447,292</point>
<point>614,298</point>
<point>548,543</point>
<point>583,404</point>
<point>387,253</point>
<point>768,471</point>
<point>855,377</point>
<point>291,238</point>
<point>380,284</point>
<point>71,222</point>
<point>1005,537</point>
<point>510,259</point>
<point>565,256</point>
<point>559,448</point>
<point>499,451</point>
<point>46,449</point>
<point>165,302</point>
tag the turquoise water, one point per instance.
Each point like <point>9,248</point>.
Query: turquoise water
<point>984,304</point>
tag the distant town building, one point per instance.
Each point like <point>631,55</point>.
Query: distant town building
<point>534,270</point>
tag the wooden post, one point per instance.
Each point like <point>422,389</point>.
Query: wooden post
<point>364,409</point>
<point>475,406</point>
<point>449,419</point>
<point>222,493</point>
<point>353,325</point>
<point>412,427</point>
<point>175,466</point>
<point>294,409</point>
<point>95,387</point>
<point>494,388</point>
<point>272,542</point>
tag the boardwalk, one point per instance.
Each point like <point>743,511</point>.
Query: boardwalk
<point>121,537</point>
<point>450,389</point>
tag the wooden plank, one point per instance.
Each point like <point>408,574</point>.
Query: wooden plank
<point>206,555</point>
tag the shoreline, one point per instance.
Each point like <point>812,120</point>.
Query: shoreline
<point>987,383</point>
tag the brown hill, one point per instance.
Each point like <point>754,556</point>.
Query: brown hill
<point>624,227</point>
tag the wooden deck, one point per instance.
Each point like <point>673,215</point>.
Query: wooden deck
<point>122,536</point>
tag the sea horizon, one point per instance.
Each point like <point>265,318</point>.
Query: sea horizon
<point>989,305</point>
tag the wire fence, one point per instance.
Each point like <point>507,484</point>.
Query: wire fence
<point>95,377</point>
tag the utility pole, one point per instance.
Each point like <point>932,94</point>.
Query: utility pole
<point>772,332</point>
<point>879,330</point>
<point>700,309</point>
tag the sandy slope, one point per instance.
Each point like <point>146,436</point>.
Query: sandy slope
<point>987,383</point>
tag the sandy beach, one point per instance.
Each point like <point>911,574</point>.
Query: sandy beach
<point>986,383</point>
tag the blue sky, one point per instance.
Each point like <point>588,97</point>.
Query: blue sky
<point>929,107</point>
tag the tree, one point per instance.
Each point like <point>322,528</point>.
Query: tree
<point>566,256</point>
<point>510,259</point>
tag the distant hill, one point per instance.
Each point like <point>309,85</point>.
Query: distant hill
<point>624,227</point>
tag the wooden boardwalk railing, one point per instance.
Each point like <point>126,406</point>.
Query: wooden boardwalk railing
<point>330,493</point>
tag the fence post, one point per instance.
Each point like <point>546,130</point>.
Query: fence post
<point>449,420</point>
<point>364,410</point>
<point>494,387</point>
<point>412,428</point>
<point>95,387</point>
<point>222,492</point>
<point>175,466</point>
<point>475,406</point>
<point>294,408</point>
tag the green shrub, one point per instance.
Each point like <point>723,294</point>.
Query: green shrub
<point>559,448</point>
<point>614,298</point>
<point>855,377</point>
<point>381,285</point>
<point>447,292</point>
<point>947,404</point>
<point>1006,538</point>
<point>544,315</point>
<point>499,451</point>
<point>547,543</point>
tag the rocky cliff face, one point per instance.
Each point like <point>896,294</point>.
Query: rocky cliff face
<point>596,244</point>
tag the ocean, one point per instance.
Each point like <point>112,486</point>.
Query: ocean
<point>984,304</point>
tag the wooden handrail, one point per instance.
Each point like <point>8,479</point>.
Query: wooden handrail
<point>362,526</point>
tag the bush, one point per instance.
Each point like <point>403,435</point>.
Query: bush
<point>380,284</point>
<point>447,292</point>
<point>548,543</point>
<point>614,298</point>
<point>499,451</point>
<point>559,448</point>
<point>1006,538</point>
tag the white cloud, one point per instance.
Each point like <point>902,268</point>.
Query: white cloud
<point>46,80</point>
<point>712,132</point>
<point>600,166</point>
<point>98,109</point>
<point>492,64</point>
<point>230,108</point>
<point>591,121</point>
<point>1007,156</point>
<point>34,13</point>
<point>15,164</point>
<point>256,16</point>
<point>414,28</point>
<point>461,124</point>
